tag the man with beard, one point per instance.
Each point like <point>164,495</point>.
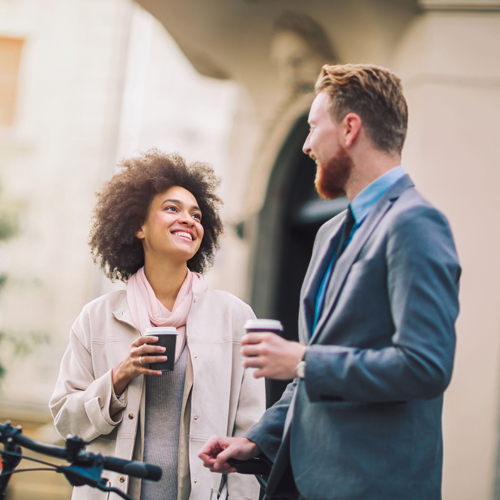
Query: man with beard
<point>362,419</point>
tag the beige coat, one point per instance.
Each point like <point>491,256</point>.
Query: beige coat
<point>224,398</point>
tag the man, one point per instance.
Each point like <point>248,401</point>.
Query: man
<point>362,419</point>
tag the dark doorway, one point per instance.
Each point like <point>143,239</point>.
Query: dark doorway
<point>287,226</point>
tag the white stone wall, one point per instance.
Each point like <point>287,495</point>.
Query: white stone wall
<point>99,79</point>
<point>51,162</point>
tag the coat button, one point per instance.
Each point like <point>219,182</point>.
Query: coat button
<point>122,313</point>
<point>131,416</point>
<point>122,479</point>
<point>195,417</point>
<point>195,481</point>
<point>195,356</point>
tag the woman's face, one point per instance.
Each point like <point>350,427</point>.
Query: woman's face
<point>173,227</point>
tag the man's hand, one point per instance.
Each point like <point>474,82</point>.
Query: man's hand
<point>274,356</point>
<point>218,450</point>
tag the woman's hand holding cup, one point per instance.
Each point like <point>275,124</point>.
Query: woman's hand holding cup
<point>142,351</point>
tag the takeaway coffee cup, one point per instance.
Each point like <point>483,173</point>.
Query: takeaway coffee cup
<point>167,336</point>
<point>263,325</point>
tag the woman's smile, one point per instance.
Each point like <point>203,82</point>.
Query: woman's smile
<point>183,234</point>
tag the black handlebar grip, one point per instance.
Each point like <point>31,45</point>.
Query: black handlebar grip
<point>254,466</point>
<point>133,468</point>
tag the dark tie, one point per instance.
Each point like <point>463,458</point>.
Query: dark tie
<point>346,232</point>
<point>344,239</point>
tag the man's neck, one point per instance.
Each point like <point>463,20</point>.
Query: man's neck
<point>368,168</point>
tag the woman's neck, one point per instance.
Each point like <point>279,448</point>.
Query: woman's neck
<point>166,280</point>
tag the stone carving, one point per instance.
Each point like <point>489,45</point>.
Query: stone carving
<point>299,48</point>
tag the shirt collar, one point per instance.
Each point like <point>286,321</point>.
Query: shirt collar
<point>363,204</point>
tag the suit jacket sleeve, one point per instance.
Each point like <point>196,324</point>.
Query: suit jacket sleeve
<point>422,283</point>
<point>267,433</point>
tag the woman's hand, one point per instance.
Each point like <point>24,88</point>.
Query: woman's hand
<point>136,362</point>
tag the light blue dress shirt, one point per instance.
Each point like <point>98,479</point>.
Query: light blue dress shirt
<point>361,206</point>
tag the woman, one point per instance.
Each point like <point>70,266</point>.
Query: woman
<point>156,227</point>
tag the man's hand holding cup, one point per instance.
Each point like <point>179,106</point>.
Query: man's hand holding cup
<point>271,355</point>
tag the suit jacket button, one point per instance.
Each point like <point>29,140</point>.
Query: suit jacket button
<point>122,479</point>
<point>131,416</point>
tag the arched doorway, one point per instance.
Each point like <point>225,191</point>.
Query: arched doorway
<point>287,225</point>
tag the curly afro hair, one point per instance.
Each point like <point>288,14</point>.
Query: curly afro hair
<point>123,207</point>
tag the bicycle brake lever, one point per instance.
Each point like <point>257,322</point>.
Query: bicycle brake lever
<point>79,476</point>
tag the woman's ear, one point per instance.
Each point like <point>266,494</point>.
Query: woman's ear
<point>140,234</point>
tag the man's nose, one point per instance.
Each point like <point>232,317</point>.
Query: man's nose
<point>306,148</point>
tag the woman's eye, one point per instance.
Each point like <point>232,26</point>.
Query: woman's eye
<point>171,209</point>
<point>197,217</point>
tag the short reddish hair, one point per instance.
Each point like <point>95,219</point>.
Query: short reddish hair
<point>372,92</point>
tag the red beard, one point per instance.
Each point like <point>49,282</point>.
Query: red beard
<point>331,178</point>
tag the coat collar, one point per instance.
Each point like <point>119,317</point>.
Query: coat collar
<point>346,260</point>
<point>122,312</point>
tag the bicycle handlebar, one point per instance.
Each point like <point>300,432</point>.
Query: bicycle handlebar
<point>72,453</point>
<point>141,470</point>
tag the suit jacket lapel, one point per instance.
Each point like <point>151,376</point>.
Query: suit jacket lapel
<point>312,281</point>
<point>344,264</point>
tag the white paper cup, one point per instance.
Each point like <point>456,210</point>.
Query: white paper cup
<point>263,325</point>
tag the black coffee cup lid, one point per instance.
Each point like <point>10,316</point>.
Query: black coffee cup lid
<point>264,324</point>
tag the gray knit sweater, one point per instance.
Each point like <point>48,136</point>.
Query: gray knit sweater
<point>161,440</point>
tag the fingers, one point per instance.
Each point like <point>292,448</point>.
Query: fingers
<point>211,448</point>
<point>210,454</point>
<point>144,339</point>
<point>254,362</point>
<point>144,348</point>
<point>147,371</point>
<point>218,450</point>
<point>144,360</point>
<point>255,338</point>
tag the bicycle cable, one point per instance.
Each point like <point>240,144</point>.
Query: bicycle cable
<point>25,457</point>
<point>26,470</point>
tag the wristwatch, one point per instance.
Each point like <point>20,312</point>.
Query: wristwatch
<point>300,369</point>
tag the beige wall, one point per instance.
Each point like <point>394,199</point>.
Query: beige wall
<point>450,64</point>
<point>52,159</point>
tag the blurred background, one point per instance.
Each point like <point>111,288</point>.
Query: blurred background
<point>84,83</point>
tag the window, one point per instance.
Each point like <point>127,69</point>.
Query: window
<point>10,58</point>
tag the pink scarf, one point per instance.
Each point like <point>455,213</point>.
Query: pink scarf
<point>147,310</point>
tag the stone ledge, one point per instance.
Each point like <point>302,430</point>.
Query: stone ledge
<point>460,5</point>
<point>25,412</point>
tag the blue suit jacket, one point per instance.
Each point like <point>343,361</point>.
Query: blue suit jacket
<point>365,423</point>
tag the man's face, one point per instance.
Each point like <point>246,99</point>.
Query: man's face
<point>323,145</point>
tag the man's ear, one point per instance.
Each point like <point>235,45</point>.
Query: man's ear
<point>352,125</point>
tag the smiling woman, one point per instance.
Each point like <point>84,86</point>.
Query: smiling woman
<point>156,227</point>
<point>124,206</point>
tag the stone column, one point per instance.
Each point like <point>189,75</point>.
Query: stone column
<point>449,60</point>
